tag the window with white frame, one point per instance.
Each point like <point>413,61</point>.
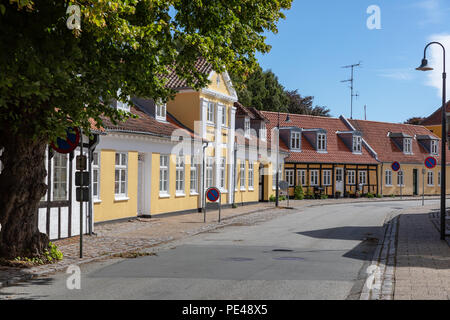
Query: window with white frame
<point>351,177</point>
<point>430,178</point>
<point>193,177</point>
<point>263,131</point>
<point>242,174</point>
<point>407,145</point>
<point>96,175</point>
<point>314,178</point>
<point>250,175</point>
<point>164,174</point>
<point>388,177</point>
<point>357,144</point>
<point>400,178</point>
<point>60,177</point>
<point>210,112</point>
<point>362,177</point>
<point>326,177</point>
<point>209,172</point>
<point>322,142</point>
<point>122,105</point>
<point>295,140</point>
<point>179,175</point>
<point>161,109</point>
<point>434,147</point>
<point>222,171</point>
<point>289,174</point>
<point>301,177</point>
<point>224,116</point>
<point>121,167</point>
<point>247,126</point>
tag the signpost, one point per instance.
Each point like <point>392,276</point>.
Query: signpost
<point>396,167</point>
<point>213,195</point>
<point>68,143</point>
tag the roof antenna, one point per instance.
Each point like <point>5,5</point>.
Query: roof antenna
<point>352,66</point>
<point>365,113</point>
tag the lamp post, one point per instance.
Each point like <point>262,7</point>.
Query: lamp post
<point>425,67</point>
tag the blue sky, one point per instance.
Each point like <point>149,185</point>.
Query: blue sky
<point>318,37</point>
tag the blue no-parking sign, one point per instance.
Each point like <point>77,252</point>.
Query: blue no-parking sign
<point>430,162</point>
<point>213,194</point>
<point>395,166</point>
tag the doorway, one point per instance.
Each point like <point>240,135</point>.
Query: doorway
<point>141,185</point>
<point>415,182</point>
<point>340,181</point>
<point>261,182</point>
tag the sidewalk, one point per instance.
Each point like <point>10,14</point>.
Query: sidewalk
<point>423,260</point>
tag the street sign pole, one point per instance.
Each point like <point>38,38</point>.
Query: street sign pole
<point>423,187</point>
<point>81,202</point>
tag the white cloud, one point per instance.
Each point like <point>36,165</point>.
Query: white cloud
<point>396,74</point>
<point>435,60</point>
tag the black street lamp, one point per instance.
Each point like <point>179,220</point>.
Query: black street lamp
<point>425,67</point>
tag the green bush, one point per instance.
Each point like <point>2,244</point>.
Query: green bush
<point>370,195</point>
<point>309,194</point>
<point>298,193</point>
<point>379,196</point>
<point>323,196</point>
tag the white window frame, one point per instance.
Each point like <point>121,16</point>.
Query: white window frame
<point>362,177</point>
<point>164,174</point>
<point>357,144</point>
<point>96,169</point>
<point>407,145</point>
<point>161,111</point>
<point>430,178</point>
<point>301,177</point>
<point>314,178</point>
<point>121,166</point>
<point>351,177</point>
<point>193,186</point>
<point>322,142</point>
<point>210,113</point>
<point>242,175</point>
<point>296,141</point>
<point>179,175</point>
<point>223,174</point>
<point>224,116</point>
<point>251,182</point>
<point>124,106</point>
<point>400,178</point>
<point>247,126</point>
<point>388,177</point>
<point>434,147</point>
<point>57,169</point>
<point>326,177</point>
<point>289,176</point>
<point>209,179</point>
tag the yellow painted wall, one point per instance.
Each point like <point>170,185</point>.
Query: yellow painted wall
<point>185,107</point>
<point>247,195</point>
<point>173,203</point>
<point>222,88</point>
<point>436,130</point>
<point>109,208</point>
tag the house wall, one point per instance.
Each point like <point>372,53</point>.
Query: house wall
<point>437,130</point>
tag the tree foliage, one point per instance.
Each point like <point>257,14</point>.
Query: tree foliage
<point>52,77</point>
<point>414,120</point>
<point>262,90</point>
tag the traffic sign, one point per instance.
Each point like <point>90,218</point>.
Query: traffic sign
<point>82,179</point>
<point>284,185</point>
<point>430,162</point>
<point>213,194</point>
<point>395,166</point>
<point>68,143</point>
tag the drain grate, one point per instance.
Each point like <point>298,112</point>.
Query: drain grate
<point>282,250</point>
<point>290,258</point>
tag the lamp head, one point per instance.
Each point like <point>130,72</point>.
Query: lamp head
<point>424,66</point>
<point>288,119</point>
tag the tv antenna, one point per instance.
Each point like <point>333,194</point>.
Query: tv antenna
<point>351,80</point>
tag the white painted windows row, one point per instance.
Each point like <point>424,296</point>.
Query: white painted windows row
<point>120,183</point>
<point>164,174</point>
<point>295,140</point>
<point>179,175</point>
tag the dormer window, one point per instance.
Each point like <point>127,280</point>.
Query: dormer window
<point>357,144</point>
<point>247,126</point>
<point>295,140</point>
<point>160,113</point>
<point>434,147</point>
<point>321,142</point>
<point>122,105</point>
<point>263,131</point>
<point>407,145</point>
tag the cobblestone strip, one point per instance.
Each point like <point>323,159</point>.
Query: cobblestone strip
<point>380,281</point>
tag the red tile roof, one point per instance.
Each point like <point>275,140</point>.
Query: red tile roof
<point>436,117</point>
<point>174,82</point>
<point>376,134</point>
<point>337,151</point>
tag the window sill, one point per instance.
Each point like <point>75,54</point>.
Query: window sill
<point>96,201</point>
<point>121,198</point>
<point>194,194</point>
<point>164,195</point>
<point>251,189</point>
<point>243,189</point>
<point>178,195</point>
<point>388,185</point>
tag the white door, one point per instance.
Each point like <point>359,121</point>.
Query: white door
<point>141,185</point>
<point>340,180</point>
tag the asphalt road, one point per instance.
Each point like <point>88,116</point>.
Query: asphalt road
<point>317,253</point>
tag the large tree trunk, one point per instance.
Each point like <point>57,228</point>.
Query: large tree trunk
<point>21,188</point>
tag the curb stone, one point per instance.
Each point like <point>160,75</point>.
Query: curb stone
<point>380,282</point>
